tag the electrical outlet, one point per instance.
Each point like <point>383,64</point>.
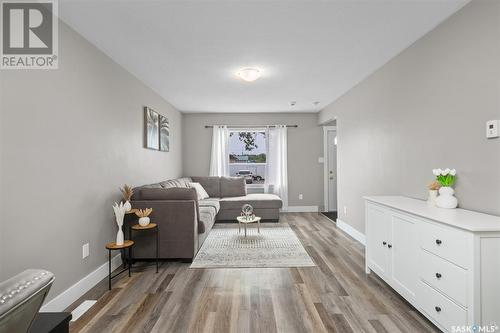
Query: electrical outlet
<point>85,250</point>
<point>492,129</point>
<point>301,196</point>
<point>345,210</point>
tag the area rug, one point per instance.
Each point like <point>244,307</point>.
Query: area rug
<point>275,246</point>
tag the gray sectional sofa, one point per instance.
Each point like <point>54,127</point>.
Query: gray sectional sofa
<point>184,221</point>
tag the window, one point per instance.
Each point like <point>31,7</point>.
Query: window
<point>247,155</point>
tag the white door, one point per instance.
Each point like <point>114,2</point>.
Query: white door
<point>378,242</point>
<point>332,170</point>
<point>404,255</point>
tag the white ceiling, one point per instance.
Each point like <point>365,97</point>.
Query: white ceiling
<point>309,50</point>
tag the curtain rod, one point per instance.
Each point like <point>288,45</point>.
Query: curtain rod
<point>251,126</point>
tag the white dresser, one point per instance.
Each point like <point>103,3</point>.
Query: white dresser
<point>445,262</point>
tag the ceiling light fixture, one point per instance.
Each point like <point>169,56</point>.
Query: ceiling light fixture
<point>249,74</point>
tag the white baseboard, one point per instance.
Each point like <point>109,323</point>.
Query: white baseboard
<point>81,309</point>
<point>301,209</point>
<point>351,231</point>
<point>70,295</point>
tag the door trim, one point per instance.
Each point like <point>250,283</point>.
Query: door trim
<point>326,129</point>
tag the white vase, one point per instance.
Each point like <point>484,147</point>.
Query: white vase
<point>144,221</point>
<point>119,236</point>
<point>127,206</point>
<point>431,200</point>
<point>446,198</point>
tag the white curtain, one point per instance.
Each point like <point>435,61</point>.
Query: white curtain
<point>219,162</point>
<point>276,168</point>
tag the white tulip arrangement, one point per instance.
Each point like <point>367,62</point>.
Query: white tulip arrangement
<point>445,177</point>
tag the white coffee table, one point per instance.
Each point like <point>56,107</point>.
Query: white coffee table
<point>245,221</point>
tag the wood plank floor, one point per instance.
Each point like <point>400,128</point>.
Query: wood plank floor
<point>335,296</point>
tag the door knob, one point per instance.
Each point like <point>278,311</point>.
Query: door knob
<point>438,309</point>
<point>438,241</point>
<point>438,275</point>
<point>384,243</point>
<point>389,245</point>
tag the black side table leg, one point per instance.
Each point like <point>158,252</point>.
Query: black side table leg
<point>157,241</point>
<point>109,266</point>
<point>124,254</point>
<point>130,248</point>
<point>129,260</point>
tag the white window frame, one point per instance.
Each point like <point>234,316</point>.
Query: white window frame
<point>251,129</point>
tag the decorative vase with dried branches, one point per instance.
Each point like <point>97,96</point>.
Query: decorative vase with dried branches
<point>127,193</point>
<point>120,211</point>
<point>143,215</point>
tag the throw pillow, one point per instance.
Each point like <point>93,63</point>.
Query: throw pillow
<point>202,194</point>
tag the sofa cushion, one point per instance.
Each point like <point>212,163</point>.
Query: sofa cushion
<point>179,182</point>
<point>156,185</point>
<point>202,194</point>
<point>210,202</point>
<point>256,200</point>
<point>174,193</point>
<point>232,187</point>
<point>266,214</point>
<point>210,184</point>
<point>206,219</point>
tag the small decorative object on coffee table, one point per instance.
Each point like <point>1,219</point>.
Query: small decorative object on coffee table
<point>246,210</point>
<point>143,215</point>
<point>113,246</point>
<point>247,216</point>
<point>446,179</point>
<point>127,193</point>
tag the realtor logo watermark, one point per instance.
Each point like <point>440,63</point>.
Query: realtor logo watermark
<point>474,329</point>
<point>29,34</point>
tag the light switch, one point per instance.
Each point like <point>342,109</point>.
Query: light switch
<point>85,250</point>
<point>492,129</point>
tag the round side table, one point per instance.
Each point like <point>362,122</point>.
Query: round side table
<point>112,247</point>
<point>245,221</point>
<point>150,226</point>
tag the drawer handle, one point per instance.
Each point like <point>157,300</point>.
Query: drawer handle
<point>438,275</point>
<point>384,243</point>
<point>438,241</point>
<point>438,309</point>
<point>389,245</point>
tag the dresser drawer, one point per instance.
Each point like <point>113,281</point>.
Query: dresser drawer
<point>440,308</point>
<point>448,243</point>
<point>448,278</point>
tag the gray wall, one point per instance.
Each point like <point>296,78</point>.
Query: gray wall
<point>2,266</point>
<point>305,145</point>
<point>69,138</point>
<point>425,109</point>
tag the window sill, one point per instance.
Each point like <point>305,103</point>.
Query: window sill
<point>249,164</point>
<point>255,185</point>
